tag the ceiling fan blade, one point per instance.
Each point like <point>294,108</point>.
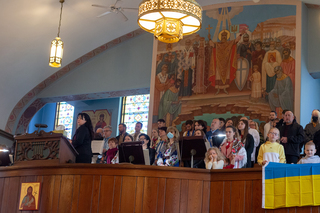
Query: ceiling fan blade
<point>103,14</point>
<point>123,16</point>
<point>117,1</point>
<point>128,8</point>
<point>96,5</point>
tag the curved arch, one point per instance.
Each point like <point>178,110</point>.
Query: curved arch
<point>31,95</point>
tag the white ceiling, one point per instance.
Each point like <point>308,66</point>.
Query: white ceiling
<point>27,28</point>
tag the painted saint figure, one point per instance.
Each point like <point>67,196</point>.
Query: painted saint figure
<point>28,202</point>
<point>282,93</point>
<point>256,82</point>
<point>187,63</point>
<point>200,87</point>
<point>101,123</point>
<point>288,65</point>
<point>271,60</point>
<point>170,106</point>
<point>223,63</point>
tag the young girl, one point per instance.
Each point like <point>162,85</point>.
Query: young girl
<point>233,149</point>
<point>168,154</point>
<point>247,140</point>
<point>214,159</point>
<point>272,150</point>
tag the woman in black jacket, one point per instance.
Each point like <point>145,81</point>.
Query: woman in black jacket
<point>246,139</point>
<point>81,140</point>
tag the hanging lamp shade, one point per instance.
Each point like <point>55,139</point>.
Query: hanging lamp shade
<point>56,49</point>
<point>170,20</point>
<point>56,52</point>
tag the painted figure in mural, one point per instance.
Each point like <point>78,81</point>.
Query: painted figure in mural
<point>101,123</point>
<point>223,63</point>
<point>279,47</point>
<point>288,65</point>
<point>258,55</point>
<point>173,66</point>
<point>245,50</point>
<point>28,202</point>
<point>170,106</point>
<point>256,82</point>
<point>282,93</point>
<point>162,83</point>
<point>266,44</point>
<point>293,48</point>
<point>188,64</point>
<point>271,60</point>
<point>165,60</point>
<point>200,87</point>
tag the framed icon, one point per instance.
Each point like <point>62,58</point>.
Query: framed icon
<point>29,196</point>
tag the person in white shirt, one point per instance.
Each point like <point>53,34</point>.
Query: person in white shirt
<point>269,125</point>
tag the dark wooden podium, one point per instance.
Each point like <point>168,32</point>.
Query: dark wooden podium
<point>43,148</point>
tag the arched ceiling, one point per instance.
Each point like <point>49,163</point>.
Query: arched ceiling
<point>27,28</point>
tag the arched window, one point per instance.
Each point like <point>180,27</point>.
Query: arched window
<point>135,109</point>
<point>64,116</point>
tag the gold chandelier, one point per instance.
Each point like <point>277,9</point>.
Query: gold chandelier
<point>56,50</point>
<point>170,20</point>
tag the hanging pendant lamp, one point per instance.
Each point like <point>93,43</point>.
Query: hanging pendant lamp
<point>56,50</point>
<point>170,20</point>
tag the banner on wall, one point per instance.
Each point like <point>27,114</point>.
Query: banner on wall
<point>288,185</point>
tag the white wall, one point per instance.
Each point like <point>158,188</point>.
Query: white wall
<point>127,66</point>
<point>313,38</point>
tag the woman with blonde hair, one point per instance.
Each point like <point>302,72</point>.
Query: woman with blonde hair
<point>214,159</point>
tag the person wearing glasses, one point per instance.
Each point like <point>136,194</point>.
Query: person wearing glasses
<point>272,150</point>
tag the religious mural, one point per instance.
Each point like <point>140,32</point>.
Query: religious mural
<point>241,61</point>
<point>99,118</point>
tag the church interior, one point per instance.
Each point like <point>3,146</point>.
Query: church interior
<point>106,58</point>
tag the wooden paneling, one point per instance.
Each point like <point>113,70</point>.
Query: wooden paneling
<point>150,194</point>
<point>99,188</point>
<point>106,194</point>
<point>65,201</point>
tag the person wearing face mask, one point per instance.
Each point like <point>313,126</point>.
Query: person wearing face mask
<point>312,127</point>
<point>168,154</point>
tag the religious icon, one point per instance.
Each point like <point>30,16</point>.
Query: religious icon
<point>29,196</point>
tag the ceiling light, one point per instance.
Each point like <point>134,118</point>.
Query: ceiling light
<point>56,50</point>
<point>170,20</point>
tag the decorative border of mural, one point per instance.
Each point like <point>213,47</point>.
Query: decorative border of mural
<point>14,115</point>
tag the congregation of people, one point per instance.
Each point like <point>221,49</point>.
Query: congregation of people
<point>233,143</point>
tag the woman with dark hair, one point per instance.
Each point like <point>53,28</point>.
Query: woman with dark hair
<point>246,139</point>
<point>200,124</point>
<point>146,146</point>
<point>81,140</point>
<point>128,138</point>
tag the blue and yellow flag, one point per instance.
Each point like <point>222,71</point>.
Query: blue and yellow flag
<point>288,185</point>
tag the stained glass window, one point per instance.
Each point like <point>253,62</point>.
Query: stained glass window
<point>135,109</point>
<point>64,116</point>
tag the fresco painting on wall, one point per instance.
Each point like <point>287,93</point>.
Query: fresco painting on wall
<point>242,61</point>
<point>99,118</point>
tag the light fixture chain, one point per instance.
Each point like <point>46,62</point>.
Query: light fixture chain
<point>60,18</point>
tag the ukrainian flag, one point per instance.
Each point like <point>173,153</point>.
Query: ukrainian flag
<point>287,185</point>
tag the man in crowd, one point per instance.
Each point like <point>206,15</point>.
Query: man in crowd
<point>161,123</point>
<point>291,136</point>
<point>269,125</point>
<point>137,132</point>
<point>98,135</point>
<point>190,130</point>
<point>215,136</point>
<point>122,133</point>
<point>107,130</point>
